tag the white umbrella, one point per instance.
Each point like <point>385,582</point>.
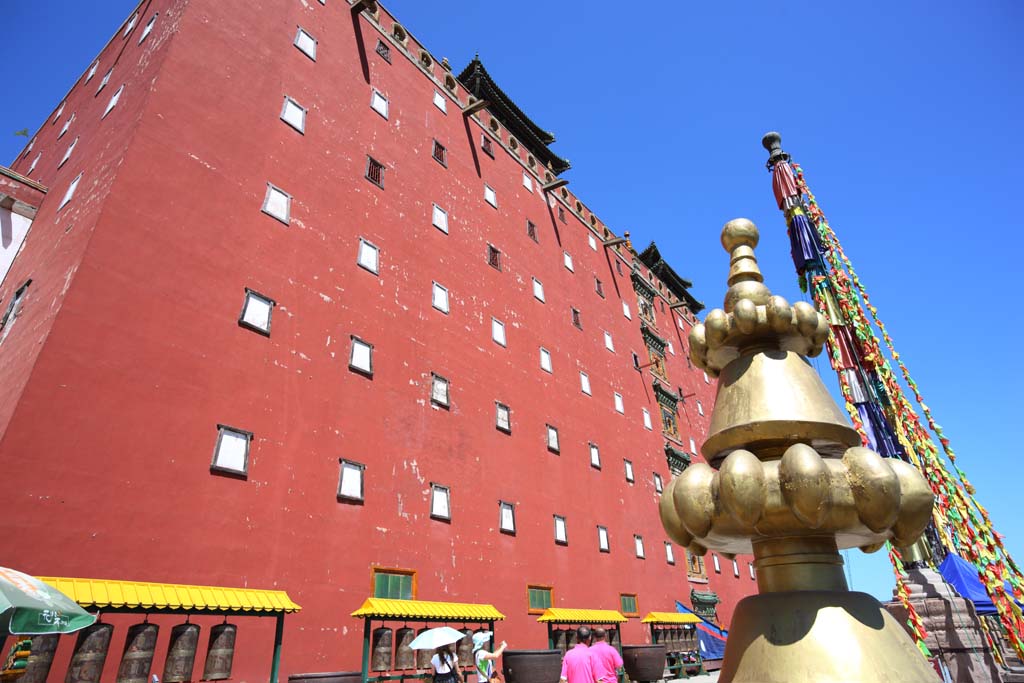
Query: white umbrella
<point>434,638</point>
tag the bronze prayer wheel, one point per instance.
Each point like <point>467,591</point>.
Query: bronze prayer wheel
<point>39,661</point>
<point>138,653</point>
<point>404,657</point>
<point>423,656</point>
<point>571,638</point>
<point>90,654</point>
<point>181,653</point>
<point>613,638</point>
<point>465,648</point>
<point>381,643</point>
<point>558,639</point>
<point>220,653</point>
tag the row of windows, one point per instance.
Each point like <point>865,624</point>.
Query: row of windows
<point>400,584</point>
<point>111,103</point>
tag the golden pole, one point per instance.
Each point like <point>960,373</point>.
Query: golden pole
<point>789,482</point>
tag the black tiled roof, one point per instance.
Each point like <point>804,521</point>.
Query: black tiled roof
<point>536,139</point>
<point>677,284</point>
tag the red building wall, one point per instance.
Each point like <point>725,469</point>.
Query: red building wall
<point>128,352</point>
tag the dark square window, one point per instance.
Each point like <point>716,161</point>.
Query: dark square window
<point>375,172</point>
<point>636,361</point>
<point>486,146</point>
<point>384,51</point>
<point>599,288</point>
<point>576,318</point>
<point>561,213</point>
<point>618,266</point>
<point>440,154</point>
<point>493,257</point>
<point>531,231</point>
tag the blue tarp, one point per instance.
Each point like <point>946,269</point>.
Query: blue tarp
<point>962,575</point>
<point>710,638</point>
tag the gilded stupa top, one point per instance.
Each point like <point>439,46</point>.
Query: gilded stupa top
<point>752,316</point>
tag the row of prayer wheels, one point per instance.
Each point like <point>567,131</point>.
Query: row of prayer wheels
<point>565,638</point>
<point>391,651</point>
<point>93,642</point>
<point>676,639</point>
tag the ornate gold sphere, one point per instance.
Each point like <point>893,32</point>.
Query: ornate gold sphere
<point>739,232</point>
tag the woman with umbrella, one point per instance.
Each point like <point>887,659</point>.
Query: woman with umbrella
<point>445,662</point>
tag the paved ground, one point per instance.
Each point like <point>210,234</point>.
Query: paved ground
<point>705,678</point>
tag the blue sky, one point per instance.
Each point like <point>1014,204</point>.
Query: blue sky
<point>905,117</point>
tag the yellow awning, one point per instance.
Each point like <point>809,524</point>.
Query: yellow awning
<point>156,597</point>
<point>562,615</point>
<point>670,618</point>
<point>386,608</point>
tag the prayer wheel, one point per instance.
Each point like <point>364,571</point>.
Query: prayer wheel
<point>571,638</point>
<point>220,653</point>
<point>404,657</point>
<point>90,654</point>
<point>558,639</point>
<point>39,661</point>
<point>658,637</point>
<point>613,638</point>
<point>465,649</point>
<point>423,656</point>
<point>382,640</point>
<point>181,653</point>
<point>138,653</point>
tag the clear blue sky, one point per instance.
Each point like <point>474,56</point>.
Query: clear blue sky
<point>905,116</point>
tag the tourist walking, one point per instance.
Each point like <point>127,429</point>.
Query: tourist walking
<point>605,659</point>
<point>577,666</point>
<point>446,665</point>
<point>484,660</point>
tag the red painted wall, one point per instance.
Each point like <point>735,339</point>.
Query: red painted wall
<point>129,354</point>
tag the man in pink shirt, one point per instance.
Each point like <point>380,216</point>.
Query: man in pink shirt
<point>576,665</point>
<point>604,658</point>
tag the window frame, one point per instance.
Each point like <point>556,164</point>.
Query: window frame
<point>531,231</point>
<point>433,217</point>
<point>659,484</point>
<point>620,406</point>
<point>443,157</point>
<point>435,285</point>
<point>567,261</point>
<point>351,464</point>
<point>585,383</point>
<point>487,145</point>
<point>68,151</point>
<point>359,251</point>
<point>564,541</point>
<point>622,605</point>
<point>638,547</point>
<point>494,257</point>
<point>670,555</point>
<point>284,109</point>
<point>374,570</point>
<point>440,101</point>
<point>148,28</point>
<point>374,94</point>
<point>549,430</point>
<point>551,597</point>
<point>716,563</point>
<point>242,322</point>
<point>604,544</point>
<point>496,326</point>
<point>434,379</point>
<point>112,102</point>
<point>594,452</point>
<point>626,312</point>
<point>574,314</point>
<point>371,164</point>
<point>648,425</point>
<point>598,287</point>
<point>500,407</point>
<point>69,194</point>
<point>271,188</point>
<point>355,340</point>
<point>299,32</point>
<point>14,309</point>
<point>544,353</point>
<point>223,429</point>
<point>511,507</point>
<point>538,286</point>
<point>490,195</point>
<point>628,467</point>
<point>385,54</point>
<point>435,489</point>
<point>609,343</point>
